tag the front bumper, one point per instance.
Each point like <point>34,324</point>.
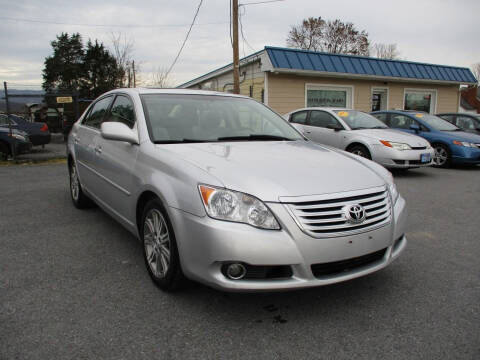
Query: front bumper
<point>206,244</point>
<point>465,155</point>
<point>405,159</point>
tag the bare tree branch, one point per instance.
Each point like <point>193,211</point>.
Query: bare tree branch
<point>330,36</point>
<point>161,79</point>
<point>122,49</point>
<point>385,51</point>
<point>476,71</point>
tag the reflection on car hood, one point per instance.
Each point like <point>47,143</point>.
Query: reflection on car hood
<point>393,136</point>
<point>463,136</point>
<point>269,169</point>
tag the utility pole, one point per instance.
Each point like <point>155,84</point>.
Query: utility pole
<point>236,66</point>
<point>133,69</point>
<point>7,105</point>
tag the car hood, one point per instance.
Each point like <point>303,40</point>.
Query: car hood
<point>393,136</point>
<point>463,136</point>
<point>269,170</point>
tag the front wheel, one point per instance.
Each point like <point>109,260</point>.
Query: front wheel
<point>442,157</point>
<point>360,150</point>
<point>160,248</point>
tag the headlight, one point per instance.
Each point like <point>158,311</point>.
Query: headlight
<point>223,204</point>
<point>463,143</point>
<point>395,145</point>
<point>393,189</point>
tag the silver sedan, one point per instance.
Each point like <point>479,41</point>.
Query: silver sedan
<point>220,189</point>
<point>362,134</point>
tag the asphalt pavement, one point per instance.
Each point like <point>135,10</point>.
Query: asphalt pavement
<point>73,286</point>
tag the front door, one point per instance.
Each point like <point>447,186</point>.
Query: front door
<point>317,128</point>
<point>379,99</point>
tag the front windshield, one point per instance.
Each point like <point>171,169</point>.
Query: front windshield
<point>360,120</point>
<point>204,118</point>
<point>436,122</point>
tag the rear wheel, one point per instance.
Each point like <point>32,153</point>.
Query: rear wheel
<point>4,150</point>
<point>160,247</point>
<point>360,150</point>
<point>442,156</point>
<point>79,199</point>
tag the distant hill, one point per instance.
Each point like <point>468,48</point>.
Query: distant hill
<point>17,103</point>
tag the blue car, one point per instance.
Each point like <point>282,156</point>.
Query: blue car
<point>18,139</point>
<point>37,131</point>
<point>451,144</point>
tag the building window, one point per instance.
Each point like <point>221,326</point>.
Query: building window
<point>328,96</point>
<point>420,100</point>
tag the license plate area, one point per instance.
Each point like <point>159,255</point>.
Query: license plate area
<point>425,158</point>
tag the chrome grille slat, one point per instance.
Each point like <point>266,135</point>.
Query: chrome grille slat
<point>326,215</point>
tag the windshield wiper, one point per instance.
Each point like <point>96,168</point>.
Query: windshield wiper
<point>379,127</point>
<point>253,137</point>
<point>182,141</point>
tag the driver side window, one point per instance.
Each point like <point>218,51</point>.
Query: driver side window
<point>123,111</point>
<point>400,121</point>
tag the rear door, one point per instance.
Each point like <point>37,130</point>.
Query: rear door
<point>85,139</point>
<point>318,131</point>
<point>114,161</point>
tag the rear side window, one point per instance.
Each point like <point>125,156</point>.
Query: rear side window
<point>401,121</point>
<point>123,111</point>
<point>449,118</point>
<point>465,122</point>
<point>97,114</point>
<point>299,117</point>
<point>382,117</point>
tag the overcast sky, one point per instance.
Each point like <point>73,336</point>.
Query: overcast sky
<point>434,31</point>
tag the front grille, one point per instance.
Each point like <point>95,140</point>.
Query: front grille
<point>419,147</point>
<point>326,215</point>
<point>337,267</point>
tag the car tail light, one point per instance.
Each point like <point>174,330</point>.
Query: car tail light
<point>44,127</point>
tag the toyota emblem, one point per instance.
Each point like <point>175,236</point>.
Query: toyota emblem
<point>355,213</point>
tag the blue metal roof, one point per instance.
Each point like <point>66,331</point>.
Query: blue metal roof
<point>295,59</point>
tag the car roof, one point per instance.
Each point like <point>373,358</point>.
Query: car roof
<point>329,109</point>
<point>145,91</point>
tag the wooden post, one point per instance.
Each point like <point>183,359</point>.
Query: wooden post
<point>236,66</point>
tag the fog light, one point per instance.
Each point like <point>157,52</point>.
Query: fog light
<point>236,271</point>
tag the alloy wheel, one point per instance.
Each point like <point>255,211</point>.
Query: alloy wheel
<point>441,156</point>
<point>157,243</point>
<point>74,183</point>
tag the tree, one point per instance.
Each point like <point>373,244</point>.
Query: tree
<point>99,70</point>
<point>63,70</point>
<point>330,36</point>
<point>385,51</point>
<point>161,79</point>
<point>122,52</point>
<point>91,70</point>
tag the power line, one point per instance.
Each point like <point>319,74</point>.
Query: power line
<point>184,41</point>
<point>241,31</point>
<point>260,2</point>
<point>231,39</point>
<point>104,25</point>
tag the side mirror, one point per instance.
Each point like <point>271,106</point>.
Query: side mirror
<point>335,127</point>
<point>415,128</point>
<point>118,132</point>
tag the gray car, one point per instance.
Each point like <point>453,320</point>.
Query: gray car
<point>222,190</point>
<point>362,134</point>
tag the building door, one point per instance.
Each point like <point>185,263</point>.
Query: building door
<point>379,99</point>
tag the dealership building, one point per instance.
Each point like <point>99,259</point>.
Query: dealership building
<point>288,79</point>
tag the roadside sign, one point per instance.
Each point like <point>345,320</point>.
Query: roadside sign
<point>64,99</point>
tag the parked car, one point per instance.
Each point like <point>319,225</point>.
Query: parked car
<point>361,134</point>
<point>451,144</point>
<point>38,132</point>
<point>18,138</point>
<point>222,190</point>
<point>465,121</point>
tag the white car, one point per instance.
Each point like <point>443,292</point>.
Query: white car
<point>362,134</point>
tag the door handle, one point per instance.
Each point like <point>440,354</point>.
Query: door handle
<point>306,132</point>
<point>98,149</point>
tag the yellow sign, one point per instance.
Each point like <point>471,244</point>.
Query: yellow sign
<point>64,99</point>
<point>419,115</point>
<point>343,113</point>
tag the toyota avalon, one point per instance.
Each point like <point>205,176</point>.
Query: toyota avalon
<point>221,190</point>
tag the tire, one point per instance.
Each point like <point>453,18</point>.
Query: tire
<point>360,150</point>
<point>442,157</point>
<point>160,249</point>
<point>4,150</point>
<point>79,199</point>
